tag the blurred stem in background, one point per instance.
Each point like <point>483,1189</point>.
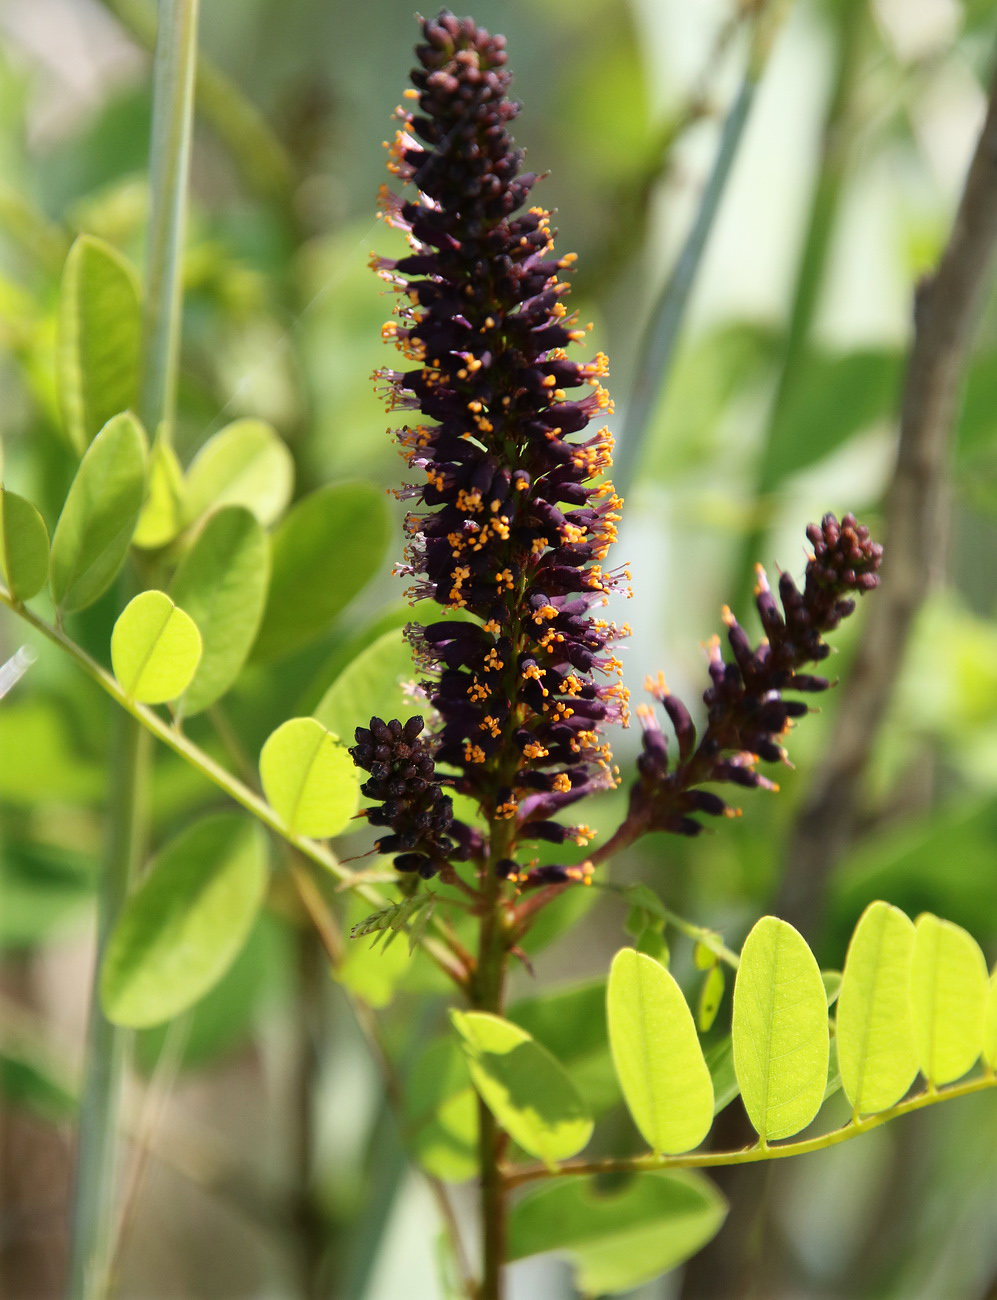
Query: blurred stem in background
<point>656,353</point>
<point>841,123</point>
<point>94,1212</point>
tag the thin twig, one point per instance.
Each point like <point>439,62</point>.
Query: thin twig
<point>516,1177</point>
<point>947,307</point>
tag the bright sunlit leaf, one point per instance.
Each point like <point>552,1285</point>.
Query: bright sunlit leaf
<point>309,778</point>
<point>875,1031</point>
<point>949,989</point>
<point>657,1056</point>
<point>187,921</point>
<point>162,514</point>
<point>779,1030</point>
<point>525,1088</point>
<point>155,648</point>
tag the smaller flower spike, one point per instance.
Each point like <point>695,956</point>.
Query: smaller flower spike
<point>403,775</point>
<point>746,712</point>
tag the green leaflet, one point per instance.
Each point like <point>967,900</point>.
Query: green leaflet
<point>875,1032</point>
<point>779,1030</point>
<point>571,1023</point>
<point>622,1237</point>
<point>372,685</point>
<point>441,1113</point>
<point>524,1087</point>
<point>97,355</point>
<point>185,924</point>
<point>710,997</point>
<point>656,1052</point>
<point>23,546</point>
<point>162,515</point>
<point>222,583</point>
<point>244,464</point>
<point>98,520</point>
<point>309,778</point>
<point>155,648</point>
<point>990,1024</point>
<point>325,550</point>
<point>949,989</point>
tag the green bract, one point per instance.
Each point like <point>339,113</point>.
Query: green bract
<point>779,1030</point>
<point>527,1091</point>
<point>657,1056</point>
<point>183,927</point>
<point>155,648</point>
<point>309,778</point>
<point>98,520</point>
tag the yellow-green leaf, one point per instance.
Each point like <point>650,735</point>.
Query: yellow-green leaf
<point>187,921</point>
<point>162,514</point>
<point>990,1024</point>
<point>525,1088</point>
<point>98,520</point>
<point>656,1052</point>
<point>97,357</point>
<point>309,778</point>
<point>155,648</point>
<point>875,1032</point>
<point>23,546</point>
<point>949,989</point>
<point>244,464</point>
<point>779,1030</point>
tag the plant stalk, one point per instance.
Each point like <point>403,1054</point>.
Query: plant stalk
<point>94,1214</point>
<point>93,1206</point>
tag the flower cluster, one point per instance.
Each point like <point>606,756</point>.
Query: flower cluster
<point>403,776</point>
<point>517,515</point>
<point>746,711</point>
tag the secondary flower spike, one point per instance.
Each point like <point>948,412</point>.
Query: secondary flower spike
<point>746,712</point>
<point>514,517</point>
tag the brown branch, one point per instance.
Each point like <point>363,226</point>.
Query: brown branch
<point>947,307</point>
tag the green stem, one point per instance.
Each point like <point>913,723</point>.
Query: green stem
<point>657,350</point>
<point>169,167</point>
<point>755,1154</point>
<point>93,1206</point>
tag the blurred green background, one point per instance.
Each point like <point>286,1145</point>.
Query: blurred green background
<point>267,1164</point>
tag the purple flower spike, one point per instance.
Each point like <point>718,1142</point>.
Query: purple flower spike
<point>513,517</point>
<point>747,715</point>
